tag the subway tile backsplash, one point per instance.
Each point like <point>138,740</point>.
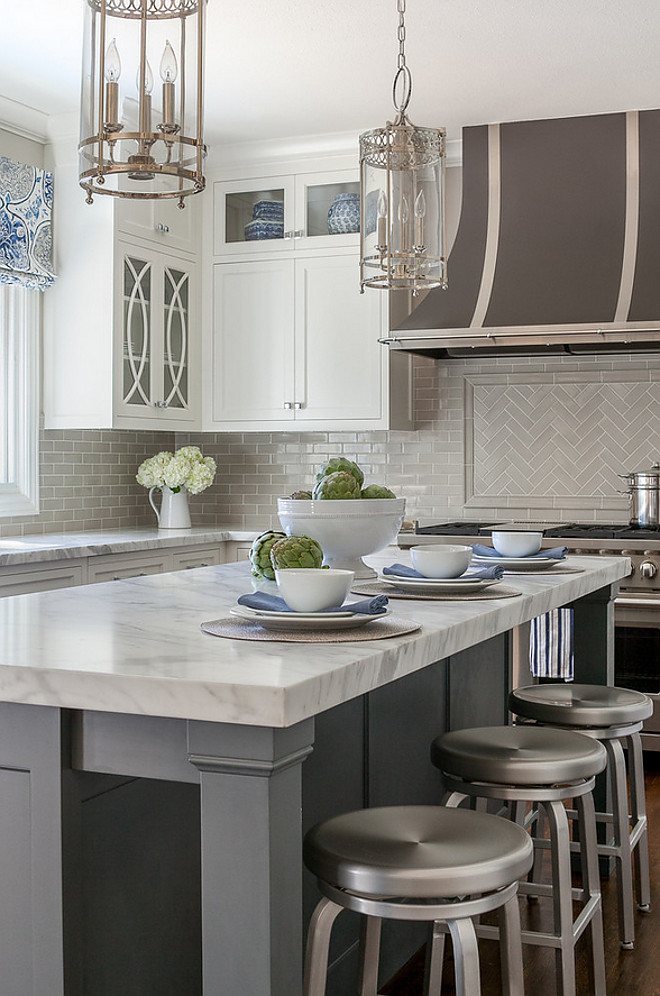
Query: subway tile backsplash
<point>518,437</point>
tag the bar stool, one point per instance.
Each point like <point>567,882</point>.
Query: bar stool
<point>613,716</point>
<point>423,863</point>
<point>529,764</point>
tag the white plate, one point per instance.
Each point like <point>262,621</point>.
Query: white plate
<point>287,621</point>
<point>437,584</point>
<point>520,563</point>
<point>272,613</point>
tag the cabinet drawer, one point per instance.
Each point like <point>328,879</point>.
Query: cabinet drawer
<point>197,557</point>
<point>236,551</point>
<point>114,568</point>
<point>24,579</point>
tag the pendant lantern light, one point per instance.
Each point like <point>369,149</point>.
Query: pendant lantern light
<point>402,216</point>
<point>138,139</point>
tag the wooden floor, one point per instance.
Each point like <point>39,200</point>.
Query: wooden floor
<point>629,973</point>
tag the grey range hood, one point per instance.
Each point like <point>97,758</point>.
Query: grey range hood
<point>558,243</point>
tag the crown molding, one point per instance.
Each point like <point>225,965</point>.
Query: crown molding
<point>27,122</point>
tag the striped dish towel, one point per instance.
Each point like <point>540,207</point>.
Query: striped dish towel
<point>551,645</point>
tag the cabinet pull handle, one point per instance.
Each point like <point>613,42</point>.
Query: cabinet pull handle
<point>297,405</point>
<point>287,405</point>
<point>298,234</point>
<point>288,235</point>
<point>116,578</point>
<point>160,404</point>
<point>162,228</point>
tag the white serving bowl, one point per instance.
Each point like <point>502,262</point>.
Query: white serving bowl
<point>345,530</point>
<point>512,544</point>
<point>311,589</point>
<point>440,560</point>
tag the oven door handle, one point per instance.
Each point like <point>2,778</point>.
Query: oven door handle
<point>644,603</point>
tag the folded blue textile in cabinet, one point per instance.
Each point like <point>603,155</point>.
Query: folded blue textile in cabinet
<point>551,645</point>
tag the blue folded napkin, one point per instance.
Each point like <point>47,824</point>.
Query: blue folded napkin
<point>493,573</point>
<point>273,603</point>
<point>557,553</point>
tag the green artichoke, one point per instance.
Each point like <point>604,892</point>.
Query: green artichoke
<point>301,495</point>
<point>339,485</point>
<point>296,551</point>
<point>259,554</point>
<point>376,491</point>
<point>340,463</point>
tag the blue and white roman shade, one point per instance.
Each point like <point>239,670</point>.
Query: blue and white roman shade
<point>26,202</point>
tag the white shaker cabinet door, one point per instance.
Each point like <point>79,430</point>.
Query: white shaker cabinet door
<point>340,365</point>
<point>253,342</point>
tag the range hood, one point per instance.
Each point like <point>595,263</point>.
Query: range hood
<point>558,243</point>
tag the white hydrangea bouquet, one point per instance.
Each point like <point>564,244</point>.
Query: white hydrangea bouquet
<point>185,468</point>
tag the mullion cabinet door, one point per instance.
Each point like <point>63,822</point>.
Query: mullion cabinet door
<point>155,376</point>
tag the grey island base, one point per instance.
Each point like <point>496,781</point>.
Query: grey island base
<point>155,782</point>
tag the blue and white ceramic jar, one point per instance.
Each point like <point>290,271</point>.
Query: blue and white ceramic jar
<point>344,214</point>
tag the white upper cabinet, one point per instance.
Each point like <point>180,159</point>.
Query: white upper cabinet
<point>295,345</point>
<point>161,222</point>
<point>156,355</point>
<point>286,213</point>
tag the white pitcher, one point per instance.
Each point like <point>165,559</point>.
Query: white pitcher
<point>174,513</point>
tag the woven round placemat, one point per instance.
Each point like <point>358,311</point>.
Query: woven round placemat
<point>378,588</point>
<point>245,629</point>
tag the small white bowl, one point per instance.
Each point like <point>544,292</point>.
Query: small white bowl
<point>522,544</point>
<point>312,589</point>
<point>440,560</point>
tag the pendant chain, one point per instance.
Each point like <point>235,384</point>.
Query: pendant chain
<point>401,33</point>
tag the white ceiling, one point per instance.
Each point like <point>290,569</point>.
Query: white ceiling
<point>283,68</point>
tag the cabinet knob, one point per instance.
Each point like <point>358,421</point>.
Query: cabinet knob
<point>298,234</point>
<point>297,405</point>
<point>162,228</point>
<point>287,405</point>
<point>288,235</point>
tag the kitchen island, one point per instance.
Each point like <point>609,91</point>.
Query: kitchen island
<point>126,732</point>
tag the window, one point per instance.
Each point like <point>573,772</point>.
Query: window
<point>19,400</point>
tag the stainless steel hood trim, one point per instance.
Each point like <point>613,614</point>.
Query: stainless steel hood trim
<point>631,231</point>
<point>493,226</point>
<point>565,335</point>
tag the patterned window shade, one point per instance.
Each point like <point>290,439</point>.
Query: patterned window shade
<point>26,202</point>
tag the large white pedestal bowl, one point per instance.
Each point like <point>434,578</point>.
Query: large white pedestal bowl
<point>346,530</point>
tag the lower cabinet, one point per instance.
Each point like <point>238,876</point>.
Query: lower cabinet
<point>25,578</point>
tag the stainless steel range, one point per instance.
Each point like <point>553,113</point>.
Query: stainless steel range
<point>637,607</point>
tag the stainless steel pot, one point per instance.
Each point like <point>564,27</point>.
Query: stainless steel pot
<point>644,491</point>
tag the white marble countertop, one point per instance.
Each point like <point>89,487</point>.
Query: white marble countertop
<point>135,646</point>
<point>67,546</point>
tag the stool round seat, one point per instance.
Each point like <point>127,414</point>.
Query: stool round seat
<point>519,755</point>
<point>417,852</point>
<point>580,705</point>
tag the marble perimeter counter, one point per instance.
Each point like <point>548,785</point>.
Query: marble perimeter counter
<point>37,549</point>
<point>156,782</point>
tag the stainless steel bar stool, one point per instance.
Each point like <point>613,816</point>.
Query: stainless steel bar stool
<point>423,863</point>
<point>613,716</point>
<point>529,764</point>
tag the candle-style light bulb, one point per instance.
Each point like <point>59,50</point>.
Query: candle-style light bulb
<point>112,62</point>
<point>420,211</point>
<point>112,70</point>
<point>168,66</point>
<point>382,220</point>
<point>403,214</point>
<point>168,74</point>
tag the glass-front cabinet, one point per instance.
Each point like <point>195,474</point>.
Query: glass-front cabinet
<point>156,336</point>
<point>287,213</point>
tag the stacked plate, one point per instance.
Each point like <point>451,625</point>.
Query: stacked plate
<point>429,586</point>
<point>292,621</point>
<point>518,563</point>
